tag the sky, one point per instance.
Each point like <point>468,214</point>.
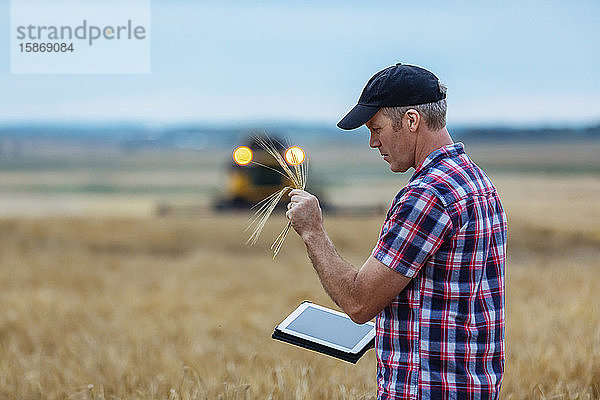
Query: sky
<point>509,63</point>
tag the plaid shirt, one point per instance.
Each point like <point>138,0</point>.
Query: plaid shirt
<point>442,337</point>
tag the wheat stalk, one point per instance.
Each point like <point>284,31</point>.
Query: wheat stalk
<point>297,174</point>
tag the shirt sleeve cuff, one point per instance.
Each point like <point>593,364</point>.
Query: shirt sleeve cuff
<point>400,266</point>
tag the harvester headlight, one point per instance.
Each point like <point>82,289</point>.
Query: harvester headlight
<point>294,155</point>
<point>242,155</point>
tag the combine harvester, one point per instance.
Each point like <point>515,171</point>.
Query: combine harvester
<point>254,174</point>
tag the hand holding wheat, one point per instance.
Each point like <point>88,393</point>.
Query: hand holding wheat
<point>304,212</point>
<point>296,174</point>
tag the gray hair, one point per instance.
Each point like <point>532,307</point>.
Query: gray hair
<point>434,114</point>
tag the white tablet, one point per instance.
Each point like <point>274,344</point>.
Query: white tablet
<point>327,331</point>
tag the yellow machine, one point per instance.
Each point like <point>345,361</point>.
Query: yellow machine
<point>254,174</point>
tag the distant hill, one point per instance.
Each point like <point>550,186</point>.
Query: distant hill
<point>133,136</point>
<point>526,134</point>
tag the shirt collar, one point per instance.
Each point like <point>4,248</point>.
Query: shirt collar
<point>449,150</point>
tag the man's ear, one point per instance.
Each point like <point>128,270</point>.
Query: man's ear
<point>413,120</point>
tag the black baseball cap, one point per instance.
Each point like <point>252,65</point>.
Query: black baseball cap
<point>397,86</point>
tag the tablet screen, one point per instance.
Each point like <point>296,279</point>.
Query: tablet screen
<point>329,327</point>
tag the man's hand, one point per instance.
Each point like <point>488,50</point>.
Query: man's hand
<point>305,213</point>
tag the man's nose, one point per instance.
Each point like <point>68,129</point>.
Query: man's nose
<point>374,141</point>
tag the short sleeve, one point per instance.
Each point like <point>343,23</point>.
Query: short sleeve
<point>413,231</point>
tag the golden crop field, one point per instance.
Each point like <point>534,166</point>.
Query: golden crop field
<point>143,307</point>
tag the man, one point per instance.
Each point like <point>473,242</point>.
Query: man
<point>435,279</point>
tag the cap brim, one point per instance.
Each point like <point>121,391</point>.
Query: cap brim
<point>357,116</point>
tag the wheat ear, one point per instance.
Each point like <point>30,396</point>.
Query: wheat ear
<point>297,175</point>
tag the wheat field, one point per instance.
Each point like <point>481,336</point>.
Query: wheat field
<point>180,308</point>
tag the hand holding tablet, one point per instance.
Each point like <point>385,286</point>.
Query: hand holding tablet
<point>327,331</point>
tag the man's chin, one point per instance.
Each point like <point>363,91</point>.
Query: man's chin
<point>396,169</point>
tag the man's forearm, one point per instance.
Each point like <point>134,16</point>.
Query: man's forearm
<point>338,277</point>
<point>361,293</point>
